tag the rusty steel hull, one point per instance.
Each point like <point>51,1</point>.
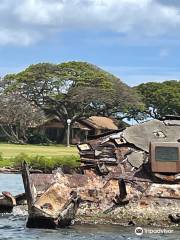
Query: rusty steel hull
<point>151,196</point>
<point>6,206</point>
<point>7,202</point>
<point>103,199</point>
<point>50,204</point>
<point>116,184</point>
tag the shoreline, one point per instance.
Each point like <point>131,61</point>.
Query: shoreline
<point>154,213</point>
<point>103,222</point>
<point>5,170</point>
<point>18,171</point>
<point>144,211</point>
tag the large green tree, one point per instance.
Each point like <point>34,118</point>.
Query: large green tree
<point>73,90</point>
<point>17,116</point>
<point>160,99</point>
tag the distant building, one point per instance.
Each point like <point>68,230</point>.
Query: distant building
<point>80,130</point>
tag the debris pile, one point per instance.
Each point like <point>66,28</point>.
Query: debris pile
<point>129,147</point>
<point>116,183</point>
<point>8,201</point>
<point>50,203</point>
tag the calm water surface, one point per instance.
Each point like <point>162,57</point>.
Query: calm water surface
<point>12,226</point>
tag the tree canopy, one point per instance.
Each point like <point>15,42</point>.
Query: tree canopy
<point>73,90</point>
<point>160,99</point>
<point>17,116</point>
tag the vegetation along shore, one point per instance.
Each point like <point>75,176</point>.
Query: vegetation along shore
<point>44,158</point>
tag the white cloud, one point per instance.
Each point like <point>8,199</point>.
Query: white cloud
<point>17,37</point>
<point>39,12</point>
<point>145,18</point>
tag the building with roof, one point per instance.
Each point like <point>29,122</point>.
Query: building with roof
<point>80,130</point>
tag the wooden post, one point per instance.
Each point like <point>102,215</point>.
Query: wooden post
<point>27,185</point>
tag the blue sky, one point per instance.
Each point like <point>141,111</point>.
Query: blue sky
<point>137,40</point>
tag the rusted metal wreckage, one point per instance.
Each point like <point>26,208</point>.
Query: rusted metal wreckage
<point>8,201</point>
<point>119,180</point>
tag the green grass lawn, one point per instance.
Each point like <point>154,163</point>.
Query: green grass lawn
<point>11,150</point>
<point>38,157</point>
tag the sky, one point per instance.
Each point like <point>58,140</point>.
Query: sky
<point>136,40</point>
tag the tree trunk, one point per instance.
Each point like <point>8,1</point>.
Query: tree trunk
<point>11,135</point>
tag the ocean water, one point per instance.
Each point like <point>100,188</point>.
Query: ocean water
<point>12,226</point>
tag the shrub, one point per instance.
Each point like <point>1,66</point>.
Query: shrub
<point>1,157</point>
<point>45,163</point>
<point>37,138</point>
<point>4,162</point>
